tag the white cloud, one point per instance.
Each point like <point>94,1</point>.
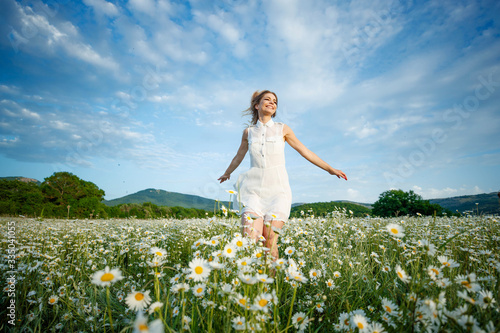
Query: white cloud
<point>436,193</point>
<point>103,7</point>
<point>144,6</point>
<point>9,89</point>
<point>353,194</point>
<point>30,114</point>
<point>75,137</point>
<point>223,24</point>
<point>86,53</point>
<point>45,38</point>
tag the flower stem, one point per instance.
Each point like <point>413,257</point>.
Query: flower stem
<point>109,310</point>
<point>291,307</point>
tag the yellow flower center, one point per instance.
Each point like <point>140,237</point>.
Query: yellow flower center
<point>143,327</point>
<point>198,270</point>
<point>199,290</point>
<point>244,263</point>
<point>435,271</point>
<point>263,302</point>
<point>159,253</point>
<point>394,231</point>
<point>361,326</point>
<point>52,300</point>
<point>290,251</point>
<point>299,319</point>
<point>243,301</point>
<point>239,243</point>
<point>139,297</point>
<point>400,274</point>
<point>258,255</point>
<point>107,277</point>
<point>229,250</point>
<point>239,323</point>
<point>388,309</point>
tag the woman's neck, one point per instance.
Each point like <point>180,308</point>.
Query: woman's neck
<point>264,118</point>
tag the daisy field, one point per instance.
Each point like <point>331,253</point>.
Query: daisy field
<point>334,274</point>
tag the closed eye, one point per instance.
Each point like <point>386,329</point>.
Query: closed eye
<point>272,101</point>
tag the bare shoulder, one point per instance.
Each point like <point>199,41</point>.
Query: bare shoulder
<point>287,130</point>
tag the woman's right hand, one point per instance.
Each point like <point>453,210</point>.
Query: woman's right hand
<point>224,177</point>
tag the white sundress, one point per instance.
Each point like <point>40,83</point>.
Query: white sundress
<point>264,189</point>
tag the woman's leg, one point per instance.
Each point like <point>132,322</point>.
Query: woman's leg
<point>252,227</point>
<point>272,237</point>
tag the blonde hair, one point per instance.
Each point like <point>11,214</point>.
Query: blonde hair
<point>256,97</point>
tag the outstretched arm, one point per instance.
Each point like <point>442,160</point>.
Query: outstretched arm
<point>237,158</point>
<point>309,155</point>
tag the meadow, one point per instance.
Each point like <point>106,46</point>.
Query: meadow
<point>335,274</point>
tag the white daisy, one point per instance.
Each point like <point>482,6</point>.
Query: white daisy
<point>156,306</point>
<point>199,289</point>
<point>200,269</point>
<point>229,251</point>
<point>395,230</point>
<point>106,276</point>
<point>138,300</point>
<point>141,325</point>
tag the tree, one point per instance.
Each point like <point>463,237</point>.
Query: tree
<point>20,198</point>
<point>66,192</point>
<point>398,202</point>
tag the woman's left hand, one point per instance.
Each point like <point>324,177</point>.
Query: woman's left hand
<point>338,173</point>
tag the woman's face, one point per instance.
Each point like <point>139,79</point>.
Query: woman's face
<point>267,104</point>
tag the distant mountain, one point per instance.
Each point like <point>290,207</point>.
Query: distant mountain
<point>165,198</point>
<point>487,203</point>
<point>22,179</point>
<point>369,206</point>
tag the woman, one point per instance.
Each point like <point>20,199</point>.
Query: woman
<point>264,190</point>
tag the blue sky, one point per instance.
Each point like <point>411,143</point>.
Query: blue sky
<point>148,93</point>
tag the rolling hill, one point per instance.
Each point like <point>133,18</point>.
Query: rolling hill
<point>488,203</point>
<point>165,198</point>
<point>22,179</point>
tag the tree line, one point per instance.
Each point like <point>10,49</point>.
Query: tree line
<point>64,195</point>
